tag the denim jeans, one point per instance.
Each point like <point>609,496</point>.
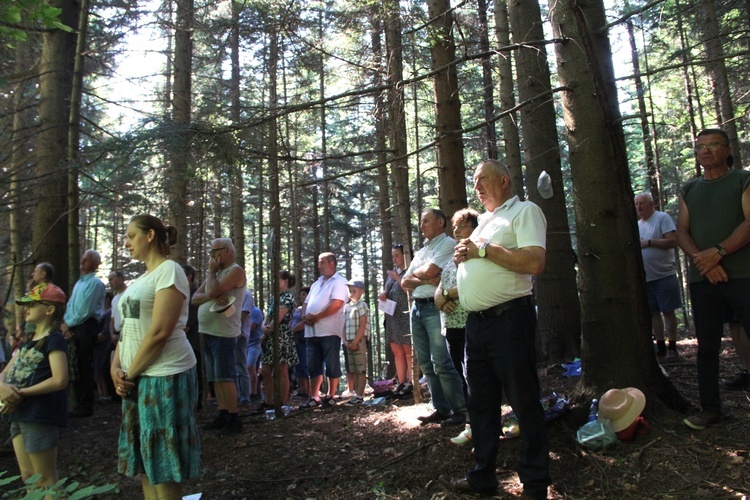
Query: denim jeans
<point>446,389</point>
<point>242,379</point>
<point>501,357</point>
<point>709,303</point>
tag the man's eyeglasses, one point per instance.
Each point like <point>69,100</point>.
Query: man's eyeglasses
<point>214,250</point>
<point>713,146</point>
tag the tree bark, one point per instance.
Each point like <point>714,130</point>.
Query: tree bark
<point>50,234</point>
<point>511,139</point>
<point>616,329</point>
<point>397,126</point>
<point>379,115</point>
<point>717,73</point>
<point>24,93</point>
<point>487,83</point>
<point>74,135</point>
<point>275,209</point>
<point>450,150</point>
<point>179,146</point>
<point>559,327</point>
<point>324,139</point>
<point>651,172</point>
<point>236,164</point>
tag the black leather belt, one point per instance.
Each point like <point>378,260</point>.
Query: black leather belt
<point>425,301</point>
<point>499,309</point>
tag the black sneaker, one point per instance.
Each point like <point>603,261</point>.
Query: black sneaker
<point>327,402</point>
<point>80,412</point>
<point>738,383</point>
<point>232,428</point>
<point>433,417</point>
<point>311,403</point>
<point>454,419</point>
<point>218,423</point>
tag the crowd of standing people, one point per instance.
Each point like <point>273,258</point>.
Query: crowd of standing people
<point>146,343</point>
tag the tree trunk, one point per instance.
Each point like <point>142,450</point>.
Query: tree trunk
<point>236,164</point>
<point>381,126</point>
<point>74,135</point>
<point>450,150</point>
<point>275,209</point>
<point>559,327</point>
<point>487,83</point>
<point>323,140</point>
<point>179,146</point>
<point>616,342</point>
<point>294,191</point>
<point>24,93</point>
<point>50,234</point>
<point>686,77</point>
<point>397,125</point>
<point>511,139</point>
<point>717,73</point>
<point>653,176</point>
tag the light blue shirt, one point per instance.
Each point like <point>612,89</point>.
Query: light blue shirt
<point>247,307</point>
<point>256,317</point>
<point>86,301</point>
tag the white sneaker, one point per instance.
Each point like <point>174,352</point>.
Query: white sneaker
<point>355,400</point>
<point>464,437</point>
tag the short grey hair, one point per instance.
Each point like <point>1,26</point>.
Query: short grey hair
<point>498,168</point>
<point>94,256</point>
<point>226,242</point>
<point>645,195</point>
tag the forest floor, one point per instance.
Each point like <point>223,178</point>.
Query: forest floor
<point>380,451</point>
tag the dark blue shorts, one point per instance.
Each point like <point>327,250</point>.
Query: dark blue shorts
<point>324,349</point>
<point>663,295</point>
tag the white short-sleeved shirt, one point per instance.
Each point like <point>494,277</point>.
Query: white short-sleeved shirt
<point>514,224</point>
<point>658,262</point>
<point>438,251</point>
<point>322,292</point>
<point>116,313</point>
<point>137,306</point>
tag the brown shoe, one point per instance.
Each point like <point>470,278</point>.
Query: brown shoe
<point>461,485</point>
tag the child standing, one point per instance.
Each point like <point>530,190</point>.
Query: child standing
<point>33,386</point>
<point>356,331</point>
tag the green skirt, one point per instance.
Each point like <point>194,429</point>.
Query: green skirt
<point>158,433</point>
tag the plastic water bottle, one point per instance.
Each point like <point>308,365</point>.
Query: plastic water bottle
<point>594,410</point>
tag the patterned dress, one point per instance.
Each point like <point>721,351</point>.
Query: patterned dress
<point>397,326</point>
<point>456,319</point>
<point>287,349</point>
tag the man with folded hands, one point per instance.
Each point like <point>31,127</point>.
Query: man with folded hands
<point>496,266</point>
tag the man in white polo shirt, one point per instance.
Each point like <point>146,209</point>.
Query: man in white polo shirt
<point>323,316</point>
<point>495,270</point>
<point>422,278</point>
